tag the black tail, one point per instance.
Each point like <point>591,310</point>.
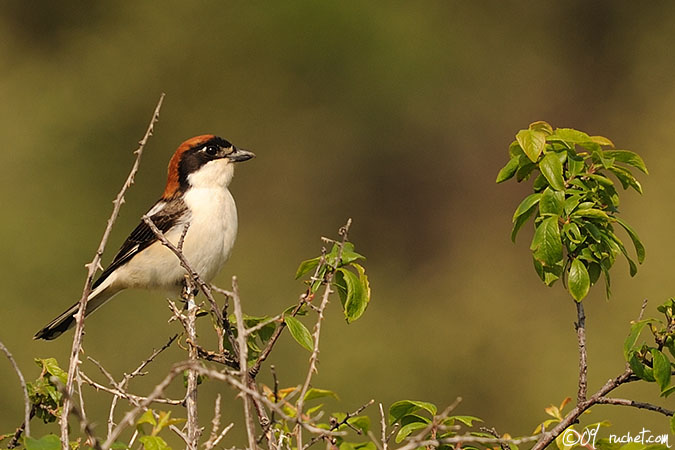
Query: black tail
<point>66,320</point>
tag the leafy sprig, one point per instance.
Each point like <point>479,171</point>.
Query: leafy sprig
<point>575,204</point>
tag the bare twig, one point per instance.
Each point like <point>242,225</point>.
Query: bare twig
<point>215,437</point>
<point>92,268</point>
<point>132,398</point>
<point>467,439</point>
<point>314,357</point>
<point>580,326</point>
<point>337,424</point>
<point>634,404</point>
<point>253,371</point>
<point>26,400</point>
<point>243,358</point>
<point>85,426</point>
<point>493,432</point>
<point>193,430</point>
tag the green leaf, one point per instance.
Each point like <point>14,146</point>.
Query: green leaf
<point>639,248</point>
<point>600,179</point>
<point>661,366</point>
<point>551,167</point>
<point>575,166</point>
<point>520,221</point>
<point>360,422</point>
<point>552,202</point>
<point>404,407</point>
<point>601,140</point>
<point>666,392</point>
<point>358,292</point>
<point>547,244</point>
<point>571,135</point>
<point>51,366</point>
<point>508,171</point>
<point>627,157</point>
<point>349,255</point>
<point>299,332</point>
<point>590,213</point>
<point>630,344</point>
<point>525,170</point>
<point>154,443</point>
<point>579,281</point>
<point>307,266</point>
<point>526,205</point>
<point>407,430</point>
<point>541,126</point>
<point>48,442</point>
<point>466,420</point>
<point>571,203</point>
<point>532,142</point>
<point>640,369</point>
<point>165,420</point>
<point>147,417</point>
<point>313,393</point>
<point>515,151</point>
<point>626,178</point>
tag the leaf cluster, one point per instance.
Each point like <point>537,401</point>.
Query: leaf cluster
<point>337,421</point>
<point>346,275</point>
<point>150,438</point>
<point>414,417</point>
<point>43,393</point>
<point>654,362</point>
<point>575,203</point>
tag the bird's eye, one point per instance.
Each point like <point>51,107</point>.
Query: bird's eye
<point>211,150</point>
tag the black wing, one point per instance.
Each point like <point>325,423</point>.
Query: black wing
<point>168,214</point>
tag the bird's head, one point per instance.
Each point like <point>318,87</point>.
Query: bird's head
<point>203,161</point>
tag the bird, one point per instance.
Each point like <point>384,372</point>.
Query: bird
<point>197,196</point>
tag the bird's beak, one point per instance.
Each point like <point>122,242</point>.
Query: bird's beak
<point>239,154</point>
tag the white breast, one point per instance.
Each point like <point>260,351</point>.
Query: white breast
<point>207,246</point>
<point>213,229</point>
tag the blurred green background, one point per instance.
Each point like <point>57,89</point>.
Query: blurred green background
<point>396,114</point>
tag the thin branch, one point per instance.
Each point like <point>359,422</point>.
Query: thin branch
<point>314,357</point>
<point>243,358</point>
<point>85,426</point>
<point>26,400</point>
<point>493,432</point>
<point>467,439</point>
<point>130,416</point>
<point>634,404</point>
<point>337,424</point>
<point>132,398</point>
<point>580,327</point>
<point>253,371</point>
<point>546,438</point>
<point>92,268</point>
<point>193,430</point>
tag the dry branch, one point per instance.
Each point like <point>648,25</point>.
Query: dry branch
<point>92,268</point>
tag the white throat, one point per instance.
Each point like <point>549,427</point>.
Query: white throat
<point>213,174</point>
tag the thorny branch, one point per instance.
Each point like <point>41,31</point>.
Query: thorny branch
<point>26,400</point>
<point>317,331</point>
<point>92,268</point>
<point>335,424</point>
<point>600,397</point>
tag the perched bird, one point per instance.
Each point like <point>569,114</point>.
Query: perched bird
<point>196,193</point>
